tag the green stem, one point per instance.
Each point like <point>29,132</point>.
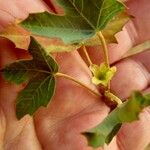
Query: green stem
<point>58,74</point>
<point>113,97</point>
<point>105,50</point>
<point>87,55</point>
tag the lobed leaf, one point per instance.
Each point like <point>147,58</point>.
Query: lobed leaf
<point>39,72</point>
<point>127,112</point>
<point>82,19</point>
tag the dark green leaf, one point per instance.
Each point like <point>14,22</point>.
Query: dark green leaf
<point>19,72</point>
<point>39,72</point>
<point>82,19</point>
<point>37,93</point>
<point>113,132</point>
<point>126,112</point>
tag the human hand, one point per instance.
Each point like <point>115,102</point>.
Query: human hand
<point>73,109</point>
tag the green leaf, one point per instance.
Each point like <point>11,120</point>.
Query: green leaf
<point>21,38</point>
<point>19,71</point>
<point>82,19</point>
<point>102,74</point>
<point>39,74</point>
<point>114,26</point>
<point>127,112</point>
<point>37,93</point>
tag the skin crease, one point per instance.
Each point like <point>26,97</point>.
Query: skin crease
<point>73,109</point>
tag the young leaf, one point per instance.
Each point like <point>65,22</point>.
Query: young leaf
<point>102,74</point>
<point>127,112</point>
<point>82,19</point>
<point>114,26</point>
<point>21,38</point>
<point>39,72</point>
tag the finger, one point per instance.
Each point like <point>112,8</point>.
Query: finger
<point>140,134</point>
<point>139,9</point>
<point>132,74</point>
<point>143,58</point>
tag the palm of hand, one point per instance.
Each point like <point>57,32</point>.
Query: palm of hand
<point>73,109</point>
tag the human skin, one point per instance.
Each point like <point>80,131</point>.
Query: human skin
<point>73,109</point>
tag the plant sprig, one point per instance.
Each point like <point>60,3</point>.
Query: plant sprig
<point>78,27</point>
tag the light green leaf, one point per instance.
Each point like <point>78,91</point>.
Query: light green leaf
<point>82,19</point>
<point>102,74</point>
<point>127,112</point>
<point>39,72</point>
<point>114,26</point>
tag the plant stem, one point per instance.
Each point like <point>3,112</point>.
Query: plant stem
<point>87,55</point>
<point>58,74</point>
<point>113,97</point>
<point>105,50</point>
